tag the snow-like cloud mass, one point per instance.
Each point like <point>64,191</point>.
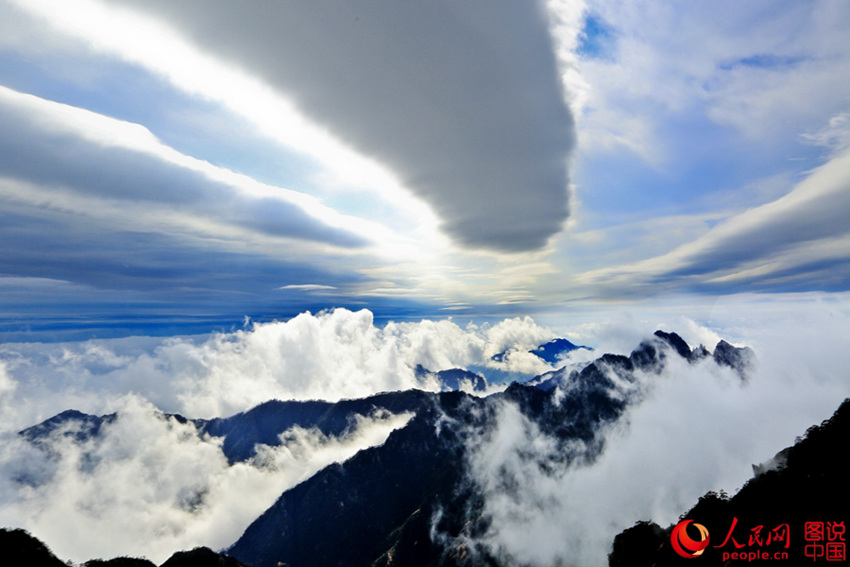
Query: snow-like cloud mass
<point>183,486</point>
<point>330,355</point>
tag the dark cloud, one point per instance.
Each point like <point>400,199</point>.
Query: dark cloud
<point>461,99</point>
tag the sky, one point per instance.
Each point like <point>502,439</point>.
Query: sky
<point>173,167</point>
<point>207,204</point>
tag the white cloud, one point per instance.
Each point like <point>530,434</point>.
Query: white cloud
<point>116,165</point>
<point>331,355</point>
<point>743,66</point>
<point>835,136</point>
<point>650,468</point>
<point>7,385</point>
<point>565,21</point>
<point>762,245</point>
<point>150,486</point>
<point>308,287</point>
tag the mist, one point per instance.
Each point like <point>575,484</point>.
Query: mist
<point>694,428</point>
<point>150,485</point>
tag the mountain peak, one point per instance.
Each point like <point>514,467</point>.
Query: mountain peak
<point>739,359</point>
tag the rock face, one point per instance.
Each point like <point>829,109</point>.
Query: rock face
<point>739,359</point>
<point>201,557</point>
<point>804,483</point>
<point>119,562</point>
<point>20,549</point>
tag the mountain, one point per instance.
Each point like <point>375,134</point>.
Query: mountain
<point>384,506</point>
<point>454,379</point>
<point>242,432</point>
<point>264,423</point>
<point>119,562</point>
<point>650,355</point>
<point>19,548</point>
<point>551,352</point>
<point>411,501</point>
<point>72,425</point>
<point>804,483</point>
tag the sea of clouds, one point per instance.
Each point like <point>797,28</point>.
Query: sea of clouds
<point>150,485</point>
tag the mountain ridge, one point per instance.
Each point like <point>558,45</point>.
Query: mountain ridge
<point>802,483</point>
<point>409,500</point>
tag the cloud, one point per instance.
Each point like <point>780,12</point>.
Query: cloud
<point>150,486</point>
<point>835,136</point>
<point>87,164</point>
<point>463,103</point>
<point>740,66</point>
<point>697,428</point>
<point>308,287</point>
<point>650,468</point>
<point>799,241</point>
<point>130,224</point>
<point>330,355</point>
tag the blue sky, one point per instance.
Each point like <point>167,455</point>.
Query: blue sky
<point>173,167</point>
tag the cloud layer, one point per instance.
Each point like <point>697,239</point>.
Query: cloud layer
<point>79,162</point>
<point>462,101</point>
<point>149,485</point>
<point>797,242</point>
<point>650,468</point>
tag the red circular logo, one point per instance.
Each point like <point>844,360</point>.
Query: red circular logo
<point>686,546</point>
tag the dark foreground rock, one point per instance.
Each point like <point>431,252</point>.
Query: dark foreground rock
<point>800,494</point>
